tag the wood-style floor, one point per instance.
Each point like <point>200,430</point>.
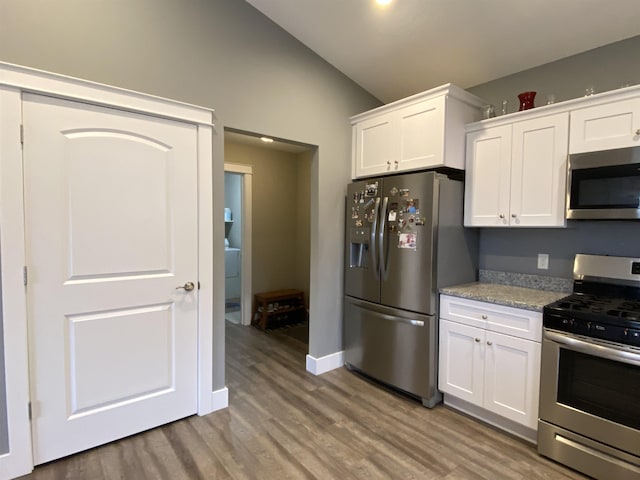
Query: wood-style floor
<point>283,422</point>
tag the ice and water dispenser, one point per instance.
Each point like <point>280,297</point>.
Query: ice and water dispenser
<point>362,220</point>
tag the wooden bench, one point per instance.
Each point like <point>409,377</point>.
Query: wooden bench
<point>278,308</point>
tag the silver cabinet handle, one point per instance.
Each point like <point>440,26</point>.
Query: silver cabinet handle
<point>484,317</point>
<point>638,131</point>
<point>513,215</point>
<point>502,215</point>
<point>477,340</point>
<point>363,306</point>
<point>489,343</point>
<point>187,286</point>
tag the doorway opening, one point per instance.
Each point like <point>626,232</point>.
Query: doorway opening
<point>267,222</point>
<point>232,246</point>
<point>237,243</point>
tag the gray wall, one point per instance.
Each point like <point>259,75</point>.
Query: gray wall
<point>303,228</point>
<point>516,250</point>
<point>280,216</point>
<point>605,68</point>
<point>225,55</point>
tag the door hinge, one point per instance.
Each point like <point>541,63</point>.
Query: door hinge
<point>30,411</point>
<point>21,134</point>
<point>24,275</point>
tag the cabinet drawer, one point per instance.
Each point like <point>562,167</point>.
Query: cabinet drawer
<point>517,322</point>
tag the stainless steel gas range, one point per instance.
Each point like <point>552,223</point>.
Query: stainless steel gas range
<point>590,373</point>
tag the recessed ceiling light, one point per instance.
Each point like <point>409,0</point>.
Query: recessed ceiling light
<point>266,139</point>
<point>383,3</point>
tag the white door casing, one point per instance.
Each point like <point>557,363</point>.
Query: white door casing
<point>111,230</point>
<point>246,294</point>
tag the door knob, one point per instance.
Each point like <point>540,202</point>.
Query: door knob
<point>187,286</point>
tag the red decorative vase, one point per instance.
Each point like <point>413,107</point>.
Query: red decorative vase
<point>526,100</point>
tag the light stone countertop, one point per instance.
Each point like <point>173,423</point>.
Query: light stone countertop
<point>508,295</point>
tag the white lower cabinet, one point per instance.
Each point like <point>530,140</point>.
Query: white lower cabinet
<point>461,367</point>
<point>497,372</point>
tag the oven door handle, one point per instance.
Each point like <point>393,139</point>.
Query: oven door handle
<point>597,350</point>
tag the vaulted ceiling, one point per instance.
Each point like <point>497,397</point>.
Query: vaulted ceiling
<point>413,45</point>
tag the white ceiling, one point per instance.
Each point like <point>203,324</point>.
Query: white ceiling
<point>414,45</point>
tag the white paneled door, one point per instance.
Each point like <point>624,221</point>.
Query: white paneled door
<point>111,229</point>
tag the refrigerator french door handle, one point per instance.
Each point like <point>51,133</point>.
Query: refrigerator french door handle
<point>384,316</point>
<point>381,236</point>
<point>372,240</point>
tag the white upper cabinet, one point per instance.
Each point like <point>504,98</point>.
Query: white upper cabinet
<point>517,164</point>
<point>516,173</point>
<point>539,172</point>
<point>374,140</point>
<point>488,177</point>
<point>605,126</point>
<point>420,132</point>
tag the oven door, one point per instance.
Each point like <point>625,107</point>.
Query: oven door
<point>592,389</point>
<point>604,185</point>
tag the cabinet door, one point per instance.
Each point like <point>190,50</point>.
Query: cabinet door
<point>511,378</point>
<point>461,365</point>
<point>539,172</point>
<point>488,166</point>
<point>376,146</point>
<point>601,127</point>
<point>421,129</point>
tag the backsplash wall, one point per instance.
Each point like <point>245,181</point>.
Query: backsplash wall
<point>516,249</point>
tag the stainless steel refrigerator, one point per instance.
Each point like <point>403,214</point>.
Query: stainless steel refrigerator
<point>404,241</point>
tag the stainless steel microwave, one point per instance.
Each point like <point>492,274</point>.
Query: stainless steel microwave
<point>604,185</point>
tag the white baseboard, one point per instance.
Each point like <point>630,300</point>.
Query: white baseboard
<point>220,399</point>
<point>321,365</point>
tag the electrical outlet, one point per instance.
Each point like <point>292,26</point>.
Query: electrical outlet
<point>543,261</point>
